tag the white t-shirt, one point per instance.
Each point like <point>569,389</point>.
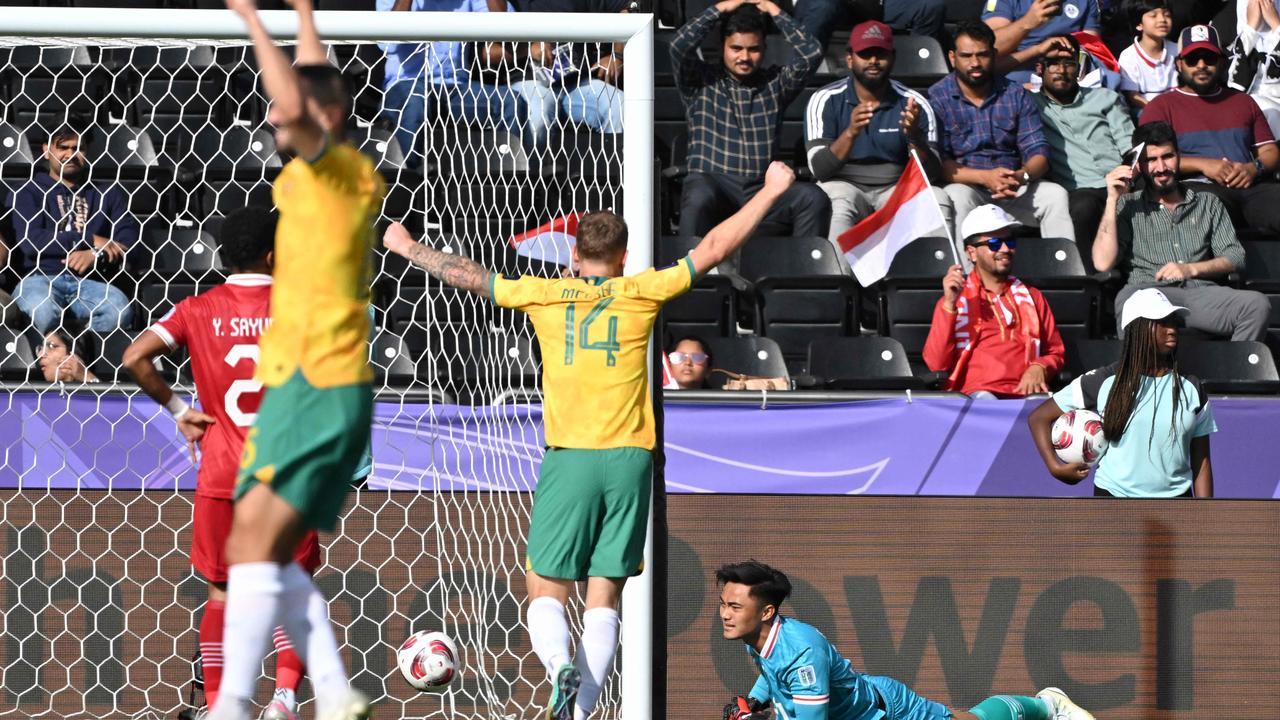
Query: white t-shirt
<point>1144,74</point>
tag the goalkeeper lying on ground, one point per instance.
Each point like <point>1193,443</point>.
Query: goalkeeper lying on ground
<point>803,677</point>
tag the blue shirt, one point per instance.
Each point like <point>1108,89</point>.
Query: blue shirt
<point>443,63</point>
<point>1005,132</point>
<point>1076,15</point>
<point>805,677</point>
<point>880,151</point>
<point>1153,457</point>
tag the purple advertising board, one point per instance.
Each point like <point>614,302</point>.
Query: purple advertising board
<point>931,446</point>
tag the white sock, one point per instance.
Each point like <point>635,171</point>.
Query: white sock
<point>548,633</point>
<point>595,656</point>
<point>305,618</point>
<point>286,697</point>
<point>253,604</point>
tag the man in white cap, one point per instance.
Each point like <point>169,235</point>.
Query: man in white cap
<point>992,334</point>
<point>1173,236</point>
<point>1157,422</point>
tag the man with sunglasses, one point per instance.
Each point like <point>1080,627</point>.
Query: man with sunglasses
<point>993,335</point>
<point>1227,148</point>
<point>1088,130</point>
<point>861,131</point>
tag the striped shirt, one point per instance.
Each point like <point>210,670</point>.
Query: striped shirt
<point>880,151</point>
<point>732,123</point>
<point>1149,237</point>
<point>1004,132</point>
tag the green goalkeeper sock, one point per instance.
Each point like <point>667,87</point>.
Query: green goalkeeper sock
<point>1011,707</point>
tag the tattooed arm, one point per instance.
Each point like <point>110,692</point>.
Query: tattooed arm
<point>462,273</point>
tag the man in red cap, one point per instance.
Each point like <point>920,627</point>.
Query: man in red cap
<point>1225,143</point>
<point>860,132</point>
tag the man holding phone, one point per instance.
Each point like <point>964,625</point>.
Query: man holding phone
<point>1021,26</point>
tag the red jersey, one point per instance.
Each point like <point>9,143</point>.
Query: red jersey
<point>220,329</point>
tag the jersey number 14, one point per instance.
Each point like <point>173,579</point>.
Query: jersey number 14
<point>609,344</point>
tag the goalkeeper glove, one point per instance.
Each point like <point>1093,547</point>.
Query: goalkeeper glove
<point>744,708</point>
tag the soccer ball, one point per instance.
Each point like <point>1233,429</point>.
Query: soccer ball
<point>1077,437</point>
<point>428,661</point>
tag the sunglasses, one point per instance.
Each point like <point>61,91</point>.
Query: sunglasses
<point>1207,58</point>
<point>696,358</point>
<point>993,244</point>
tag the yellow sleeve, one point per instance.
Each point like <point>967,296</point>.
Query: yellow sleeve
<point>517,293</point>
<point>667,283</point>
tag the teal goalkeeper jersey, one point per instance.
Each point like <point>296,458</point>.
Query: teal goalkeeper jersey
<point>806,678</point>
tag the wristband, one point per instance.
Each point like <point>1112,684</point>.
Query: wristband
<point>177,407</point>
<point>1257,163</point>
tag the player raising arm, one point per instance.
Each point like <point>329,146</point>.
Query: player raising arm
<point>803,677</point>
<point>312,428</point>
<point>591,506</point>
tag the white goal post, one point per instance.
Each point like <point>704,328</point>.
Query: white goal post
<point>88,26</point>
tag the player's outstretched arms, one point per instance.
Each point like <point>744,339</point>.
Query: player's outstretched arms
<point>728,236</point>
<point>288,107</point>
<point>139,359</point>
<point>1041,424</point>
<point>310,48</point>
<point>462,273</point>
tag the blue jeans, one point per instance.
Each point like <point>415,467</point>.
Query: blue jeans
<point>594,103</point>
<point>44,298</point>
<point>408,105</point>
<point>917,17</point>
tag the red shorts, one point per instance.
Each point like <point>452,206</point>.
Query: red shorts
<point>212,525</point>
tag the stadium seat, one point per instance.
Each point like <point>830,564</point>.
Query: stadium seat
<point>123,147</point>
<point>780,257</point>
<point>919,60</point>
<point>184,252</point>
<point>391,360</point>
<point>220,198</point>
<point>1054,267</point>
<point>158,297</point>
<point>237,152</point>
<point>1230,367</point>
<point>861,363</point>
<point>380,145</point>
<point>792,311</point>
<point>911,289</point>
<point>108,360</point>
<point>174,59</point>
<point>748,355</point>
<point>16,155</point>
<point>471,154</point>
<point>708,310</point>
<point>1262,273</point>
<point>49,59</point>
<point>490,366</point>
<point>1084,354</point>
<point>17,359</point>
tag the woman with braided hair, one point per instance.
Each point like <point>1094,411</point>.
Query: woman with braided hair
<point>1157,421</point>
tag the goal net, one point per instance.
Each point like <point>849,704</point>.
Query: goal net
<point>501,130</point>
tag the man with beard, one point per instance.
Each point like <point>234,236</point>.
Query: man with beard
<point>734,106</point>
<point>1227,146</point>
<point>994,336</point>
<point>1175,237</point>
<point>1088,130</point>
<point>860,132</point>
<point>65,229</point>
<point>992,140</point>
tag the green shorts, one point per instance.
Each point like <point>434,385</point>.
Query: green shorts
<point>306,444</point>
<point>590,513</point>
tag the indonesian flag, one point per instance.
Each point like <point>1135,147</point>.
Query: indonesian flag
<point>1093,45</point>
<point>668,379</point>
<point>552,242</point>
<point>911,212</point>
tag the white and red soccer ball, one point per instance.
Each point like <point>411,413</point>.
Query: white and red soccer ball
<point>428,660</point>
<point>1077,437</point>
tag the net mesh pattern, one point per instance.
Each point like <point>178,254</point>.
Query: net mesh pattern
<point>102,606</point>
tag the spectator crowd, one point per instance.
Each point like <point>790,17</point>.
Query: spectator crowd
<point>1152,165</point>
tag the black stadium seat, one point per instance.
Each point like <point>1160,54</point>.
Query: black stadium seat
<point>794,310</point>
<point>1083,355</point>
<point>911,289</point>
<point>748,355</point>
<point>779,257</point>
<point>1262,273</point>
<point>16,356</point>
<point>861,363</point>
<point>16,155</point>
<point>1230,367</point>
<point>1054,267</point>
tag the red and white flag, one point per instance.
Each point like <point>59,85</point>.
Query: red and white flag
<point>911,212</point>
<point>552,242</point>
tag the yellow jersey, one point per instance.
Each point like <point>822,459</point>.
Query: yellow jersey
<point>594,335</point>
<point>320,294</point>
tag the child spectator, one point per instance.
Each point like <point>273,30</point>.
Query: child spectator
<point>1147,66</point>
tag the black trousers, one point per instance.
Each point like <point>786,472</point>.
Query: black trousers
<point>706,199</point>
<point>1255,208</point>
<point>1086,206</point>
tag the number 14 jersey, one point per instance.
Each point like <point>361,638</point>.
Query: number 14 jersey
<point>220,329</point>
<point>594,334</point>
